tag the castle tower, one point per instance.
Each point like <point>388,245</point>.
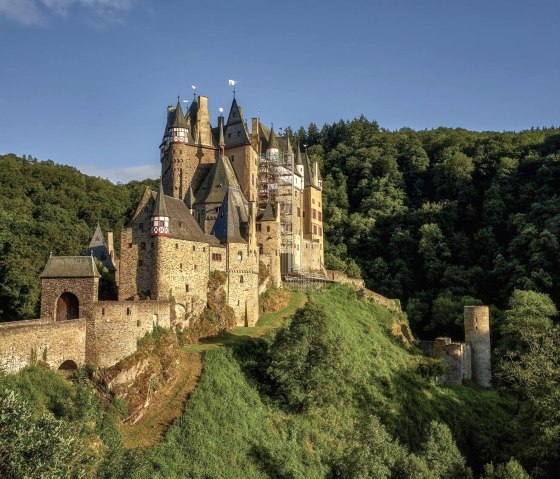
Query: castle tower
<point>298,163</point>
<point>477,334</point>
<point>176,169</point>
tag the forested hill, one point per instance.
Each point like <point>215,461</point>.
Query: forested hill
<point>443,217</point>
<point>436,218</point>
<point>45,207</point>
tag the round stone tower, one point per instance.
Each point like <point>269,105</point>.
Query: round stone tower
<point>477,335</point>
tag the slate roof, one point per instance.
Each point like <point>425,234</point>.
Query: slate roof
<point>231,223</point>
<point>219,179</point>
<point>182,224</point>
<point>235,131</point>
<point>160,208</point>
<point>270,212</point>
<point>179,119</point>
<point>70,267</point>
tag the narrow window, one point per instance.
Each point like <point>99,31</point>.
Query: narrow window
<point>268,229</point>
<point>241,279</point>
<point>128,311</point>
<point>240,256</point>
<point>180,266</point>
<point>176,245</point>
<point>194,248</point>
<point>102,311</point>
<point>186,288</point>
<point>142,246</point>
<point>195,267</point>
<point>140,262</point>
<point>130,245</point>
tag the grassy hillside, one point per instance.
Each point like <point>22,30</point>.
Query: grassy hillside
<point>239,422</point>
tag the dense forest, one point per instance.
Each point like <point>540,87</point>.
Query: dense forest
<point>48,208</point>
<point>440,218</point>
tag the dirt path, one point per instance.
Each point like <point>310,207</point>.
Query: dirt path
<point>166,406</point>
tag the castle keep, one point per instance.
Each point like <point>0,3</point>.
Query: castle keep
<point>246,203</point>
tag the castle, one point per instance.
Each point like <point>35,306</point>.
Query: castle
<point>470,360</point>
<point>244,203</point>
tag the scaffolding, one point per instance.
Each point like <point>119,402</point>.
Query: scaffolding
<point>276,185</point>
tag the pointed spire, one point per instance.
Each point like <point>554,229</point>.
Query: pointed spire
<point>272,140</point>
<point>289,145</point>
<point>160,217</point>
<point>160,208</point>
<point>298,156</point>
<point>179,120</point>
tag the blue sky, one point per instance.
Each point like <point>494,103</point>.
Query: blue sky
<point>86,82</point>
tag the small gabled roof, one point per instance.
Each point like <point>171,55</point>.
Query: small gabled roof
<point>231,223</point>
<point>70,267</point>
<point>98,249</point>
<point>270,212</point>
<point>160,208</point>
<point>97,239</point>
<point>219,179</point>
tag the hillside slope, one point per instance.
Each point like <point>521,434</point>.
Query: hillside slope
<point>301,403</point>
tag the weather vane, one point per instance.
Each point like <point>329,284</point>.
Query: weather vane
<point>194,90</point>
<point>233,83</point>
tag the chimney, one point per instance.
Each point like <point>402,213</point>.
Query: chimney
<point>110,244</point>
<point>203,121</point>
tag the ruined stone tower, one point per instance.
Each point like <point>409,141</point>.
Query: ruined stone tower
<point>477,334</point>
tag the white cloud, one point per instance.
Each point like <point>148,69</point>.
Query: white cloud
<point>34,12</point>
<point>124,175</point>
<point>22,11</point>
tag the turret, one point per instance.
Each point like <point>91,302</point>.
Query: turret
<point>160,217</point>
<point>289,158</point>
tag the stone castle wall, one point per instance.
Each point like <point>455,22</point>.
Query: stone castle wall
<point>24,342</point>
<point>268,239</point>
<point>243,283</point>
<point>458,359</point>
<point>116,327</point>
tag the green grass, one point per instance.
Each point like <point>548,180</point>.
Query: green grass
<point>234,426</point>
<point>266,323</point>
